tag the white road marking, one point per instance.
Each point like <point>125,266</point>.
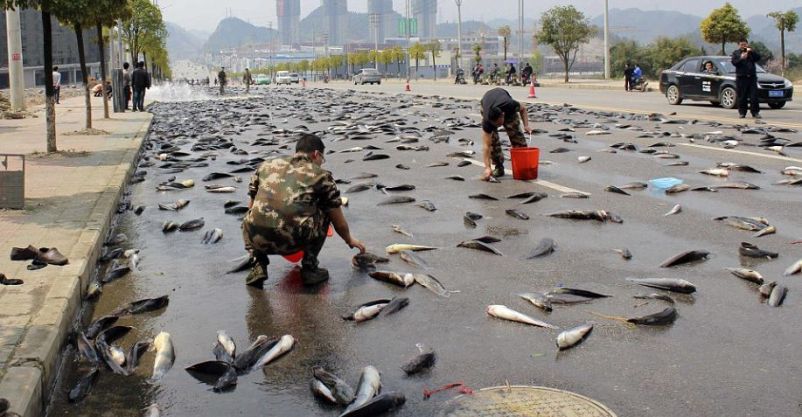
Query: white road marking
<point>548,184</point>
<point>762,155</point>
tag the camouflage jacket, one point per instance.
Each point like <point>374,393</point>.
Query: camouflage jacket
<point>291,193</point>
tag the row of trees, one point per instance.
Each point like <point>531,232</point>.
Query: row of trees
<point>143,30</point>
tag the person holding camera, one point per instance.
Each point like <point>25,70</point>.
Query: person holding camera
<point>745,60</point>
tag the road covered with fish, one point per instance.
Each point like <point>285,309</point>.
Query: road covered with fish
<point>653,266</point>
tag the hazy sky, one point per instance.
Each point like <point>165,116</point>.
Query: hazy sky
<point>204,14</point>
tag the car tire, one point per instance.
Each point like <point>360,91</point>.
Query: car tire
<point>776,105</point>
<point>672,94</point>
<point>379,83</point>
<point>728,98</point>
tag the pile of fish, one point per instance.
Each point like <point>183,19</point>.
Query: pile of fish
<point>365,402</point>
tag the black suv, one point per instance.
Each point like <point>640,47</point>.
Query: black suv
<point>688,80</point>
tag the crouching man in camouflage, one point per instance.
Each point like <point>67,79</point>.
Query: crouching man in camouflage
<point>293,201</point>
<point>498,109</point>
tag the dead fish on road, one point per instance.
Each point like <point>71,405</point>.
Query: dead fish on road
<point>578,195</point>
<point>676,209</point>
<point>359,188</point>
<point>598,215</point>
<point>538,300</point>
<point>634,186</point>
<point>736,186</point>
<point>424,360</point>
<point>369,385</point>
<point>752,224</point>
<point>738,167</point>
<point>475,244</point>
<point>572,337</point>
<point>212,236</point>
<point>402,187</point>
<point>398,229</point>
<point>456,178</point>
<point>402,279</point>
<point>614,189</point>
<point>534,198</point>
<point>794,269</point>
<point>668,284</point>
<point>747,274</point>
<point>165,355</point>
<point>482,196</point>
<point>664,317</point>
<point>655,296</point>
<point>398,247</point>
<point>367,260</point>
<point>143,306</point>
<point>624,252</point>
<point>677,188</point>
<point>517,214</point>
<point>221,189</point>
<point>432,284</point>
<point>81,389</point>
<point>375,157</point>
<point>685,257</point>
<point>367,311</point>
<point>506,313</point>
<point>583,159</point>
<point>716,172</point>
<point>224,348</point>
<point>578,292</point>
<point>765,231</point>
<point>192,225</point>
<point>414,260</point>
<point>427,205</point>
<point>546,246</point>
<point>777,296</point>
<point>399,199</point>
<point>342,393</point>
<point>751,251</point>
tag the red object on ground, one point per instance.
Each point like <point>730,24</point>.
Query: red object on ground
<point>407,87</point>
<point>463,389</point>
<point>532,89</point>
<point>297,256</point>
<point>525,161</point>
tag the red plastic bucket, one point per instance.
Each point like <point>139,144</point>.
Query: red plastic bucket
<point>297,256</point>
<point>524,163</point>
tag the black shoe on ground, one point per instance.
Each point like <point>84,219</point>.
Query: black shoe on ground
<point>314,276</point>
<point>499,171</point>
<point>257,277</point>
<point>743,116</point>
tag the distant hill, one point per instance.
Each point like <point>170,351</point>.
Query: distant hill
<point>182,44</point>
<point>358,25</point>
<point>645,26</point>
<point>233,32</point>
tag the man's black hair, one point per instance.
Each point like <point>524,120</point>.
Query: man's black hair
<point>126,65</point>
<point>309,143</point>
<point>140,64</point>
<point>493,114</point>
<point>55,68</point>
<point>743,40</point>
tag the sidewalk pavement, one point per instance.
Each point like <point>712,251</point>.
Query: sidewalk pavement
<point>71,198</point>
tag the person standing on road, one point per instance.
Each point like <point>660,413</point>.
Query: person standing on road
<point>247,79</point>
<point>57,85</point>
<point>500,109</point>
<point>140,81</point>
<point>511,74</point>
<point>526,74</point>
<point>292,202</point>
<point>745,60</point>
<point>627,77</point>
<point>222,77</point>
<point>127,83</point>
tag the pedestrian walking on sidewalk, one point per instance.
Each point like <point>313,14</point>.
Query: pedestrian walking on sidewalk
<point>498,109</point>
<point>57,84</point>
<point>140,81</point>
<point>222,77</point>
<point>127,83</point>
<point>292,202</point>
<point>745,60</point>
<point>627,77</point>
<point>247,79</point>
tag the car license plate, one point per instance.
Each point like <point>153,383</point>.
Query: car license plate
<point>776,93</point>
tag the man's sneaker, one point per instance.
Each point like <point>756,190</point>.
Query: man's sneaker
<point>314,276</point>
<point>257,277</point>
<point>499,171</point>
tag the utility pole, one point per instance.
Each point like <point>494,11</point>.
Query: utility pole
<point>408,27</point>
<point>606,40</point>
<point>15,75</point>
<point>374,21</point>
<point>520,32</point>
<point>459,33</point>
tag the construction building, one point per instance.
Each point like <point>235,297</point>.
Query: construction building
<point>382,23</point>
<point>425,12</point>
<point>336,21</point>
<point>289,17</point>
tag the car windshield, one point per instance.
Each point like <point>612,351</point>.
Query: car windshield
<point>725,65</point>
<point>293,75</point>
<point>370,71</point>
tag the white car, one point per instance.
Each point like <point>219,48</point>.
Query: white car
<point>283,77</point>
<point>295,78</point>
<point>368,76</point>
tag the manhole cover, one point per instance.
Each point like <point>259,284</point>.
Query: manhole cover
<point>524,401</point>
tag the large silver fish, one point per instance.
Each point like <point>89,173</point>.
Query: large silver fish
<point>165,355</point>
<point>572,337</point>
<point>369,385</point>
<point>506,313</point>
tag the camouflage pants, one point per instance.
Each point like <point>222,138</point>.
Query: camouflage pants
<point>260,242</point>
<point>512,125</point>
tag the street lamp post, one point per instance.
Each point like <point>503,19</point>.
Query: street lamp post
<point>15,75</point>
<point>606,40</point>
<point>374,21</point>
<point>520,32</point>
<point>408,28</point>
<point>459,33</point>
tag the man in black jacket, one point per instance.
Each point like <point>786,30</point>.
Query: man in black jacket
<point>498,108</point>
<point>745,58</point>
<point>627,76</point>
<point>140,81</point>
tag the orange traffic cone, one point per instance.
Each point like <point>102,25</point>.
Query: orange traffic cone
<point>406,87</point>
<point>532,89</point>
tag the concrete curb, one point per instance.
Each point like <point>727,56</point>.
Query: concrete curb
<point>30,378</point>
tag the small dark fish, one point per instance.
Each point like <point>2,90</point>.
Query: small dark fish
<point>105,352</point>
<point>364,176</point>
<point>227,381</point>
<point>463,163</point>
<point>116,272</point>
<point>614,189</point>
<point>216,176</point>
<point>437,164</point>
<point>749,250</point>
<point>395,305</point>
<point>667,316</point>
<point>668,284</point>
<point>560,150</point>
<point>575,195</point>
<point>534,198</point>
<point>168,227</point>
<point>419,363</point>
<point>473,216</point>
<point>705,188</point>
<point>83,387</point>
<point>546,246</point>
<point>113,334</point>
<point>109,255</point>
<point>517,214</point>
<point>475,244</point>
<point>340,390</point>
<point>523,195</point>
<point>539,300</point>
<point>138,210</point>
<point>367,260</point>
<point>359,188</point>
<point>456,178</point>
<point>634,186</point>
<point>375,157</point>
<point>678,188</point>
<point>247,359</point>
<point>487,239</point>
<point>402,187</point>
<point>777,296</point>
<point>99,325</point>
<point>378,405</point>
<point>578,292</point>
<point>143,306</point>
<point>655,296</point>
<point>136,352</point>
<point>399,199</point>
<point>736,186</point>
<point>482,197</point>
<point>624,252</point>
<point>237,210</point>
<point>208,372</point>
<point>685,257</point>
<point>192,225</point>
<point>87,349</point>
<point>402,166</point>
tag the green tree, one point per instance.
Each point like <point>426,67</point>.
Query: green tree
<point>144,26</point>
<point>335,62</point>
<point>766,54</point>
<point>565,29</point>
<point>417,52</point>
<point>373,56</point>
<point>398,57</point>
<point>505,33</point>
<point>785,22</point>
<point>45,7</point>
<point>665,52</point>
<point>385,58</point>
<point>477,52</point>
<point>72,13</point>
<point>724,25</point>
<point>105,13</point>
<point>434,48</point>
<point>623,53</point>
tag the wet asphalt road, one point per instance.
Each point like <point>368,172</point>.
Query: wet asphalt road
<point>727,354</point>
